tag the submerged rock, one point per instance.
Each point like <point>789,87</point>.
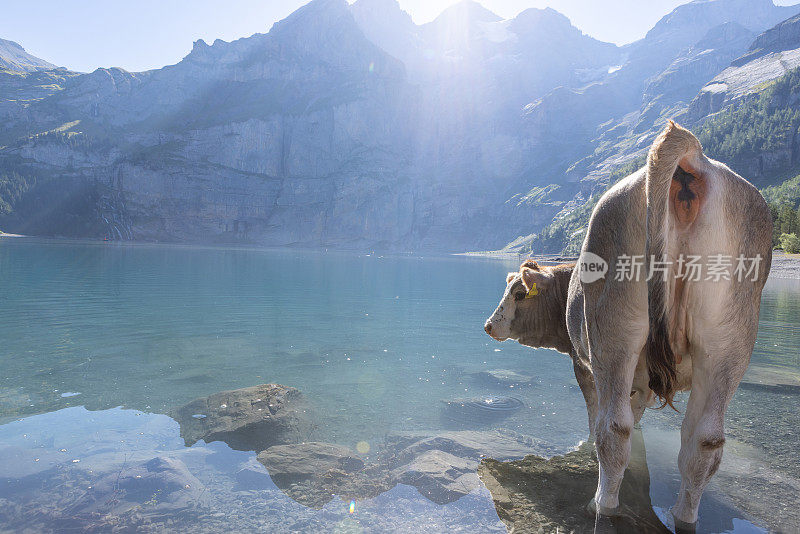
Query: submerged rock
<point>159,486</point>
<point>248,419</point>
<point>444,467</point>
<point>252,476</point>
<point>485,409</point>
<point>503,377</point>
<point>312,473</point>
<point>476,444</point>
<point>536,494</point>
<point>440,476</point>
<point>293,463</point>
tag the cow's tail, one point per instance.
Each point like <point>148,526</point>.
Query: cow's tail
<point>670,147</point>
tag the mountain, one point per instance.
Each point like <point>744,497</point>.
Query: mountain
<point>695,65</point>
<point>308,135</point>
<point>387,25</point>
<point>772,54</point>
<point>14,58</point>
<point>468,43</point>
<point>746,116</point>
<point>688,23</point>
<point>350,126</point>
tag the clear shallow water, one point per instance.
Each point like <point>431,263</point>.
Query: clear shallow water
<point>99,341</point>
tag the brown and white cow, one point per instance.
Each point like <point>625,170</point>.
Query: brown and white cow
<point>658,332</point>
<point>533,312</point>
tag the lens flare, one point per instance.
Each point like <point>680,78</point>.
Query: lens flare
<point>352,506</point>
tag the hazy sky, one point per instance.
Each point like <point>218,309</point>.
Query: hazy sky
<point>143,34</point>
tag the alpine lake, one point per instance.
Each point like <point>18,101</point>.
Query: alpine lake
<point>400,395</point>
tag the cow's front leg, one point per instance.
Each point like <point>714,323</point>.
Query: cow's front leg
<point>613,378</point>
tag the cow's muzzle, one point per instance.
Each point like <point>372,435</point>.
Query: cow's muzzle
<point>488,328</point>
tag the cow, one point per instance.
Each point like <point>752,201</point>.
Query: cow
<point>651,329</point>
<point>532,312</point>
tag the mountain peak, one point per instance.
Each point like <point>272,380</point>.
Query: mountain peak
<point>534,20</point>
<point>694,19</point>
<point>14,57</point>
<point>783,36</point>
<point>468,10</point>
<point>392,5</point>
<point>386,24</point>
<point>380,13</point>
<point>312,11</point>
<point>535,15</point>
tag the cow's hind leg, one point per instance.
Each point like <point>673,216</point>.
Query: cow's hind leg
<point>585,378</point>
<point>717,370</point>
<point>613,373</point>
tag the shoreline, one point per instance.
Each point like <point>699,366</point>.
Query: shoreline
<point>784,266</point>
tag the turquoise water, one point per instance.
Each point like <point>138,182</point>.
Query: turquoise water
<point>99,342</point>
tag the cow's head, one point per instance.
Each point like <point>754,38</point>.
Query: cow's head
<point>518,314</point>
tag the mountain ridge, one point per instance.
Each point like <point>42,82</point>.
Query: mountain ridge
<point>15,58</point>
<point>332,130</point>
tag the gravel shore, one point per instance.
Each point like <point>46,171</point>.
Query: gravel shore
<point>785,266</point>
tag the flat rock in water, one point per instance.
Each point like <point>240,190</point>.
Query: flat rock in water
<point>503,377</point>
<point>537,494</point>
<point>248,419</point>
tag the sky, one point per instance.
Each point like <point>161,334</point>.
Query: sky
<point>138,35</point>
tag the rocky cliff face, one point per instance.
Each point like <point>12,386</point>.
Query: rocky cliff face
<point>309,135</point>
<point>771,55</point>
<point>350,126</point>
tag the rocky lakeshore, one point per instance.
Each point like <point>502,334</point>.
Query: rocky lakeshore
<point>536,494</point>
<point>276,423</point>
<point>251,457</point>
<point>236,452</point>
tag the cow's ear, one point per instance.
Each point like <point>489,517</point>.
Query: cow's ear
<point>530,276</point>
<point>510,277</point>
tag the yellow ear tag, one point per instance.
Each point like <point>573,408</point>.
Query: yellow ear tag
<point>532,292</point>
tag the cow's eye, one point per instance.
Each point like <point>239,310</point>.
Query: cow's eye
<point>519,296</point>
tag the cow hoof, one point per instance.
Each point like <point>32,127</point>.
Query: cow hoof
<point>594,509</point>
<point>682,527</point>
<point>604,525</point>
